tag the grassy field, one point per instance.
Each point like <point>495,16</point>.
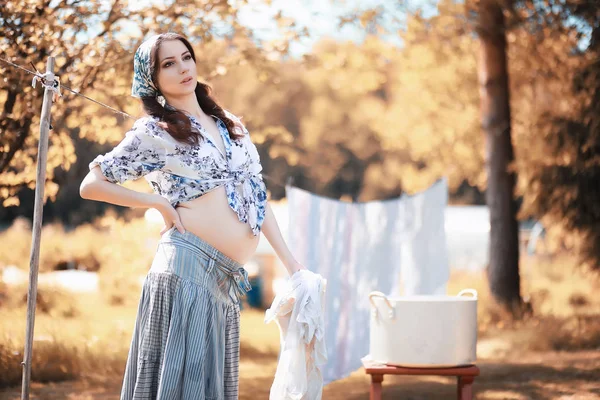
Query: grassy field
<point>82,339</point>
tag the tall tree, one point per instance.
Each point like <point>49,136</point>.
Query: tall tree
<point>486,18</point>
<point>503,269</point>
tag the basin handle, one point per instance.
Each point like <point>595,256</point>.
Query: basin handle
<point>472,292</point>
<point>372,295</point>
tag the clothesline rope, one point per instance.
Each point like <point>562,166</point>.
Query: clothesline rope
<point>56,86</point>
<point>75,92</point>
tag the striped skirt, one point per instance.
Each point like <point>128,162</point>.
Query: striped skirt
<point>186,338</point>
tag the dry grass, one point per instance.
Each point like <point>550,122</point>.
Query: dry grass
<point>120,250</point>
<point>565,310</point>
<point>86,337</point>
<point>93,343</point>
<point>94,346</point>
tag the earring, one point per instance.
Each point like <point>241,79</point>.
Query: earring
<point>161,100</point>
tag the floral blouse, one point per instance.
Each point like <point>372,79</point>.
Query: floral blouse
<point>182,172</point>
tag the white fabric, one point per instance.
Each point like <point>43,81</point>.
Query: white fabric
<point>298,310</point>
<point>424,253</point>
<point>362,247</point>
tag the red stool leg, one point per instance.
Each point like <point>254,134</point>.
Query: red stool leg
<point>376,380</point>
<point>465,387</point>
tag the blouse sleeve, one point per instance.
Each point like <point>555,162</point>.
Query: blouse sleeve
<point>138,154</point>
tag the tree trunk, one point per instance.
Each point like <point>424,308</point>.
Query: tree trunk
<point>503,270</point>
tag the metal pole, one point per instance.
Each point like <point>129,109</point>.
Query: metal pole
<point>34,259</point>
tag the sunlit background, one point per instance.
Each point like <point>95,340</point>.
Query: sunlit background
<point>359,101</point>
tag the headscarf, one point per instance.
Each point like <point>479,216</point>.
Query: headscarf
<point>142,76</point>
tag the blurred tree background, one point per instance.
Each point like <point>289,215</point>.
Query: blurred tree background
<point>360,120</point>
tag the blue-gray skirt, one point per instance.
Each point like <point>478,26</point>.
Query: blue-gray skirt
<point>186,338</point>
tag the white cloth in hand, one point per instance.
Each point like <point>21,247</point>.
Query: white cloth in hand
<point>298,310</point>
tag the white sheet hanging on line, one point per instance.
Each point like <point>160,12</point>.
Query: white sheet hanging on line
<point>361,247</point>
<point>424,254</point>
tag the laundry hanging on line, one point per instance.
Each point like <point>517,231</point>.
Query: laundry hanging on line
<point>361,247</point>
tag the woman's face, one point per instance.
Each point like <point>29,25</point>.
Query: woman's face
<point>176,69</point>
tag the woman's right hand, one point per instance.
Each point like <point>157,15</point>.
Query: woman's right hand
<point>169,214</point>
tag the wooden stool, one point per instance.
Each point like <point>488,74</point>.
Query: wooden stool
<point>465,377</point>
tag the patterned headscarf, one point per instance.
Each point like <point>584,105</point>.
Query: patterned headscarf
<point>142,77</point>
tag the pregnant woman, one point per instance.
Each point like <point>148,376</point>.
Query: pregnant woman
<point>206,177</point>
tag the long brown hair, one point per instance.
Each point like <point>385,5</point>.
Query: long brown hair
<point>178,124</point>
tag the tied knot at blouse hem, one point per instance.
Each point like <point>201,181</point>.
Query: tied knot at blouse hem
<point>182,172</point>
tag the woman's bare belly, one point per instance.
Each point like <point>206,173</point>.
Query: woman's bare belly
<point>211,219</point>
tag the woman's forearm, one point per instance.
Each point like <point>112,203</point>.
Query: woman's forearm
<point>96,187</point>
<point>273,234</point>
